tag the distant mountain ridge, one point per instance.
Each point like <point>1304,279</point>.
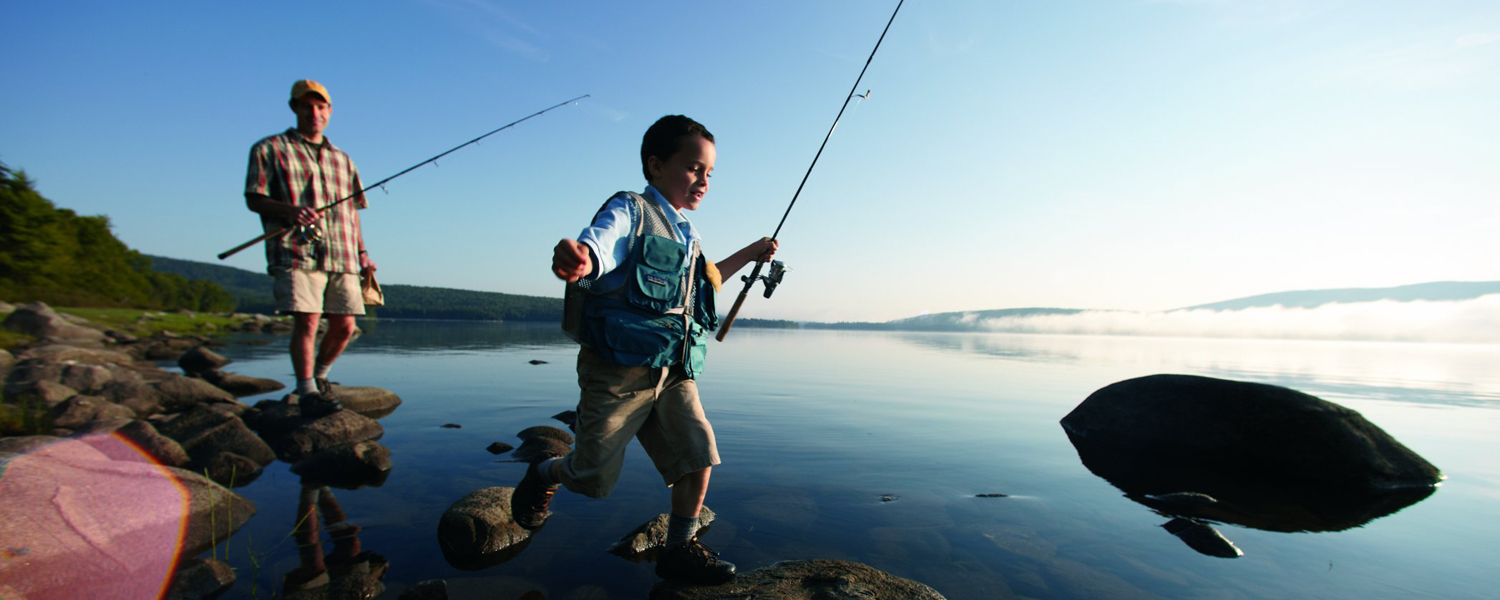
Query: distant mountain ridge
<point>1437,291</point>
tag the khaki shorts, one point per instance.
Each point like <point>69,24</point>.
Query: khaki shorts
<point>317,292</point>
<point>658,406</point>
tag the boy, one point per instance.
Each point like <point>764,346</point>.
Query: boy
<point>643,334</point>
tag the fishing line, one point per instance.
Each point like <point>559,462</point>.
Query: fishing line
<point>285,230</point>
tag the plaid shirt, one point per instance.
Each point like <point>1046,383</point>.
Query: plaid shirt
<point>287,168</point>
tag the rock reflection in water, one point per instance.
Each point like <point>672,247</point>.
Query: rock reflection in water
<point>1205,450</point>
<point>345,573</point>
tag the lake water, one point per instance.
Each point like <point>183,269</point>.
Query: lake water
<point>872,447</point>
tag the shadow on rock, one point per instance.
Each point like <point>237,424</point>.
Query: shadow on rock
<point>1251,454</point>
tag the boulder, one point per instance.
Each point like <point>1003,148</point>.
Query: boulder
<point>66,353</point>
<point>182,393</point>
<point>39,321</point>
<point>45,392</point>
<point>818,579</point>
<point>147,439</point>
<point>299,438</point>
<point>477,530</point>
<point>87,379</point>
<point>351,466</point>
<point>137,396</point>
<point>200,579</point>
<point>79,411</point>
<point>1271,458</point>
<point>199,359</point>
<point>239,385</point>
<point>231,435</point>
<point>651,535</point>
<point>92,527</point>
<point>369,401</point>
<point>188,424</point>
<point>547,432</point>
<point>499,448</point>
<point>432,589</point>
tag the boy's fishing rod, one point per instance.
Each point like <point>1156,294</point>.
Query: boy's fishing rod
<point>284,230</point>
<point>777,269</point>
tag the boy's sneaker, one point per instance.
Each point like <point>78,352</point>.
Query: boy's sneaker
<point>530,500</point>
<point>325,389</point>
<point>694,563</point>
<point>314,405</point>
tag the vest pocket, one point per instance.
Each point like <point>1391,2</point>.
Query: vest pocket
<point>656,284</point>
<point>635,342</point>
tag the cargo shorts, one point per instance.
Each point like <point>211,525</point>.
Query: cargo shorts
<point>317,292</point>
<point>656,405</point>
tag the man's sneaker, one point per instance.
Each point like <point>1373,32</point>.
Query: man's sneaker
<point>325,389</point>
<point>528,504</point>
<point>693,563</point>
<point>314,405</point>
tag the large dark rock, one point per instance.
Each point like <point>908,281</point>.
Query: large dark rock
<point>295,437</point>
<point>540,447</point>
<point>546,431</point>
<point>45,392</point>
<point>137,396</point>
<point>1271,457</point>
<point>188,424</point>
<point>818,579</point>
<point>199,359</point>
<point>231,470</point>
<point>182,393</point>
<point>79,411</point>
<point>147,439</point>
<point>477,530</point>
<point>350,466</point>
<point>87,379</point>
<point>66,353</point>
<point>231,435</point>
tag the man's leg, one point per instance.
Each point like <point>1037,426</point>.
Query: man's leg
<point>340,330</point>
<point>304,337</point>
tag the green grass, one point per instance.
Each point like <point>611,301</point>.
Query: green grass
<point>130,320</point>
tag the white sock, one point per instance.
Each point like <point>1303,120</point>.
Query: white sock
<point>322,371</point>
<point>306,386</point>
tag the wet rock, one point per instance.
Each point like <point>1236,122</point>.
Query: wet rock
<point>163,449</point>
<point>240,385</point>
<point>93,527</point>
<point>1202,538</point>
<point>370,401</point>
<point>889,498</point>
<point>538,448</point>
<point>991,495</point>
<point>230,436</point>
<point>537,362</point>
<point>39,321</point>
<point>567,417</point>
<point>309,436</point>
<point>200,579</point>
<point>352,466</point>
<point>500,448</point>
<point>650,536</point>
<point>547,432</point>
<point>232,470</point>
<point>1273,458</point>
<point>819,579</point>
<point>477,530</point>
<point>182,393</point>
<point>79,411</point>
<point>432,589</point>
<point>200,359</point>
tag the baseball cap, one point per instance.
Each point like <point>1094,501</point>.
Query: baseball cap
<point>306,86</point>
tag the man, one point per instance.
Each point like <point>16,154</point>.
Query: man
<point>317,267</point>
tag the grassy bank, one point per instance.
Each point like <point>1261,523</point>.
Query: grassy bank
<point>137,322</point>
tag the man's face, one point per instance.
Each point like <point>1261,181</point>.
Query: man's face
<point>683,178</point>
<point>312,114</point>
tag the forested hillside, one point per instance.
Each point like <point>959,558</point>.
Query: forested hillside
<point>53,255</point>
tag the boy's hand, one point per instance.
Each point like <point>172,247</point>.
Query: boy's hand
<point>570,261</point>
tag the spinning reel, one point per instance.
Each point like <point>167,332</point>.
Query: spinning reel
<point>778,270</point>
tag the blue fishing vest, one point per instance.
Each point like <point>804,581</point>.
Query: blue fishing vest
<point>653,310</point>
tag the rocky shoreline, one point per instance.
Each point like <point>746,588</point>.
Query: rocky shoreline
<point>115,471</point>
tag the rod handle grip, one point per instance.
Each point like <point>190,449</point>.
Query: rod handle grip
<point>235,250</point>
<point>733,312</point>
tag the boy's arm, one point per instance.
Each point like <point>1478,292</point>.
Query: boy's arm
<point>761,250</point>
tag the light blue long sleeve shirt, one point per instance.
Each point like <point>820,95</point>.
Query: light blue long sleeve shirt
<point>608,237</point>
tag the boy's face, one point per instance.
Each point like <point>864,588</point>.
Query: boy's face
<point>683,178</point>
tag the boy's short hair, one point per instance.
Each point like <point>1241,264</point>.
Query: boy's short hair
<point>664,137</point>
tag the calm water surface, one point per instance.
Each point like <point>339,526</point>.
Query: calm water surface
<point>819,429</point>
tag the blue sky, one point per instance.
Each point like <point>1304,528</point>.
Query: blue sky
<point>1132,154</point>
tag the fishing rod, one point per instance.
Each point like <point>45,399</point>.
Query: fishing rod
<point>284,230</point>
<point>778,269</point>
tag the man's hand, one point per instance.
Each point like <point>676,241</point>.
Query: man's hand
<point>304,215</point>
<point>570,261</point>
<point>366,266</point>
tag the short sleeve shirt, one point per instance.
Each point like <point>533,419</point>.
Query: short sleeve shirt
<point>609,235</point>
<point>287,168</point>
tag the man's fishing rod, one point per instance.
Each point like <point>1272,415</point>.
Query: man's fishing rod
<point>284,230</point>
<point>777,268</point>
